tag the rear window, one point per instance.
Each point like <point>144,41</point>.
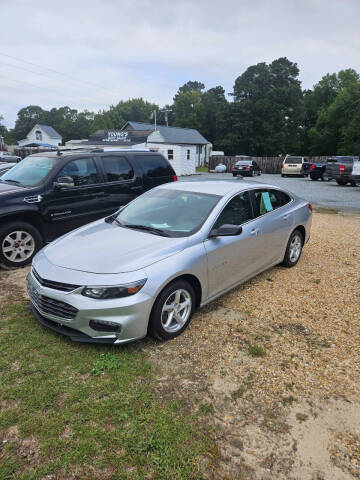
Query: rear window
<point>293,160</point>
<point>155,166</point>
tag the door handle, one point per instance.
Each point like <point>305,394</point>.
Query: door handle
<point>285,217</point>
<point>254,231</point>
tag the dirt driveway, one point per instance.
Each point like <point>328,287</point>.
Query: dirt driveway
<point>274,366</point>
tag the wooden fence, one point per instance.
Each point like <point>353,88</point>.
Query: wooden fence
<point>267,164</point>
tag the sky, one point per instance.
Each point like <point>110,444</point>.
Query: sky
<point>92,54</point>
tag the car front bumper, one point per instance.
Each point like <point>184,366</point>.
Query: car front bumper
<point>85,319</point>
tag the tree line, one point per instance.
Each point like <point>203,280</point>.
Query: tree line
<point>266,114</point>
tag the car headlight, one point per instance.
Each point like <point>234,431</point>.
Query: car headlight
<point>120,291</point>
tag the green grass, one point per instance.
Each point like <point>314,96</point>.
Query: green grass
<point>256,350</point>
<point>90,410</point>
<point>202,169</point>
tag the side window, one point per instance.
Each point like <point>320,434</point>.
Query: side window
<point>170,154</point>
<point>236,212</point>
<point>154,166</point>
<point>187,154</point>
<point>117,168</point>
<point>267,200</point>
<point>82,170</point>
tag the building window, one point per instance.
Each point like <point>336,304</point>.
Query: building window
<point>38,135</point>
<point>187,154</point>
<point>170,154</point>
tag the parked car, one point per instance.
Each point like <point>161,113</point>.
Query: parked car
<point>317,170</point>
<point>147,267</point>
<point>47,195</point>
<point>292,166</point>
<point>341,170</point>
<point>246,168</point>
<point>9,157</point>
<point>4,167</point>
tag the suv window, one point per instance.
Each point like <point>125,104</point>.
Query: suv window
<point>117,168</point>
<point>293,160</point>
<point>154,166</point>
<point>267,200</point>
<point>236,212</point>
<point>82,170</point>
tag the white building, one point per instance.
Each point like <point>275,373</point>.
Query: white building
<point>41,136</point>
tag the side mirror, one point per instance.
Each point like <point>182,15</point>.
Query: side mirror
<point>226,230</point>
<point>64,182</point>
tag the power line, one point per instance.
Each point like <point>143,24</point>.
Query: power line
<point>52,70</point>
<point>35,86</point>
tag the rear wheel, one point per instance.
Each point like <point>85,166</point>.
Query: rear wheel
<point>282,175</point>
<point>172,310</point>
<point>19,241</point>
<point>341,182</point>
<point>234,174</point>
<point>293,249</point>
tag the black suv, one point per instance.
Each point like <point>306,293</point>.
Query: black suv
<point>49,194</point>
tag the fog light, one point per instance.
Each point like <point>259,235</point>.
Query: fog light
<point>104,326</point>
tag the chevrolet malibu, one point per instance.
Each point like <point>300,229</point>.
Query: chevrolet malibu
<point>146,268</point>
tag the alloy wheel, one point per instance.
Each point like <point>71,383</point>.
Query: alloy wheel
<point>176,310</point>
<point>295,248</point>
<point>18,246</point>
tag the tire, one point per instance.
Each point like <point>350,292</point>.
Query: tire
<point>352,183</point>
<point>282,175</point>
<point>234,174</point>
<point>158,316</point>
<point>341,182</point>
<point>19,242</point>
<point>296,242</point>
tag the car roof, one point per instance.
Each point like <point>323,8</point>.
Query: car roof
<point>221,187</point>
<point>92,151</point>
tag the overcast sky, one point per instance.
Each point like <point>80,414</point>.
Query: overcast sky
<point>111,50</point>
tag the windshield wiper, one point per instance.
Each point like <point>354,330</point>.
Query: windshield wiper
<point>156,231</point>
<point>13,181</point>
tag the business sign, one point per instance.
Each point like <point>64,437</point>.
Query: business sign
<point>118,136</point>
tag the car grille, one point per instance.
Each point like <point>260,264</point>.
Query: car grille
<point>63,287</point>
<point>50,306</point>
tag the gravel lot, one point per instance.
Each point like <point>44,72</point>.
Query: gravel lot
<point>322,194</point>
<point>274,365</point>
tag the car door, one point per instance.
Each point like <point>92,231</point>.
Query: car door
<point>233,259</point>
<point>67,208</point>
<point>123,181</point>
<point>275,220</point>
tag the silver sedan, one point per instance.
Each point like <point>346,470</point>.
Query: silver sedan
<point>146,268</point>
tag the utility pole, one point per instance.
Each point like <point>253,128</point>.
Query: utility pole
<point>166,110</point>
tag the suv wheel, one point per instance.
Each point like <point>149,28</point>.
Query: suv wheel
<point>19,242</point>
<point>341,182</point>
<point>172,310</point>
<point>293,249</point>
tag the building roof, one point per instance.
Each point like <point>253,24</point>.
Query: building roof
<point>49,130</point>
<point>171,134</point>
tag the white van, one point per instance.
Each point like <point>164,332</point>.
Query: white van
<point>292,166</point>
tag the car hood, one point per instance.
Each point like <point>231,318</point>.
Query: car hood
<point>107,248</point>
<point>7,188</point>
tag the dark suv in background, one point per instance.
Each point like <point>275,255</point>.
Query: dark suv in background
<point>49,194</point>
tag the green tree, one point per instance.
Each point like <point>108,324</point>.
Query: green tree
<point>188,108</point>
<point>268,109</point>
<point>216,109</point>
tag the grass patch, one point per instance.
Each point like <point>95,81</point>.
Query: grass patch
<point>87,410</point>
<point>256,350</point>
<point>202,169</point>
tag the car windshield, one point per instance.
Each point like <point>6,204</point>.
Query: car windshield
<point>293,160</point>
<point>174,213</point>
<point>30,171</point>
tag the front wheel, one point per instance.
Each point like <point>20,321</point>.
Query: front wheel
<point>293,249</point>
<point>234,174</point>
<point>172,311</point>
<point>19,241</point>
